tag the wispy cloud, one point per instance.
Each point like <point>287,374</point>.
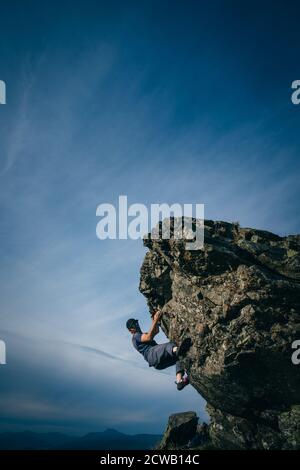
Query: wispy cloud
<point>93,122</point>
<point>20,128</point>
<point>63,385</point>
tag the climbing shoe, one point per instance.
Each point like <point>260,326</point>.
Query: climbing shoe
<point>184,347</point>
<point>183,383</point>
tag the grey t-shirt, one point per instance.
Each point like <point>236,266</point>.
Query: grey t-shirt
<point>142,347</point>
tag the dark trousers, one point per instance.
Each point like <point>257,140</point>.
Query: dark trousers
<point>161,356</point>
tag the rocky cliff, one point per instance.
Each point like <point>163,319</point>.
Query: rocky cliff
<point>238,300</point>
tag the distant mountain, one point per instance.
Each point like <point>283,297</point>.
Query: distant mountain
<point>110,439</point>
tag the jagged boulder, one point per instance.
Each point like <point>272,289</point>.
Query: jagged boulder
<point>180,431</point>
<point>238,299</point>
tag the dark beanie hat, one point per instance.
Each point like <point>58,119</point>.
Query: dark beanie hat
<point>132,323</point>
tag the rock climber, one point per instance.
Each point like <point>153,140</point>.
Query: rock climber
<point>159,356</point>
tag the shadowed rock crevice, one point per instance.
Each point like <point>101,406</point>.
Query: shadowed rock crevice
<point>238,300</point>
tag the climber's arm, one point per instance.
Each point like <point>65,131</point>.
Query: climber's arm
<point>154,328</point>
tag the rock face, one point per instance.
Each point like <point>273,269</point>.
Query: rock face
<point>238,299</point>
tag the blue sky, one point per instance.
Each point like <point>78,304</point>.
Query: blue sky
<point>183,102</point>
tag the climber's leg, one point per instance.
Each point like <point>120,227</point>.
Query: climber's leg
<point>179,368</point>
<point>161,356</point>
<point>165,355</point>
<point>181,380</point>
<point>181,383</point>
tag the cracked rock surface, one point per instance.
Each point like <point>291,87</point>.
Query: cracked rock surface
<point>238,299</point>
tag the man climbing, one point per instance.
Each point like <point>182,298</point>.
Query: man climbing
<point>159,356</point>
